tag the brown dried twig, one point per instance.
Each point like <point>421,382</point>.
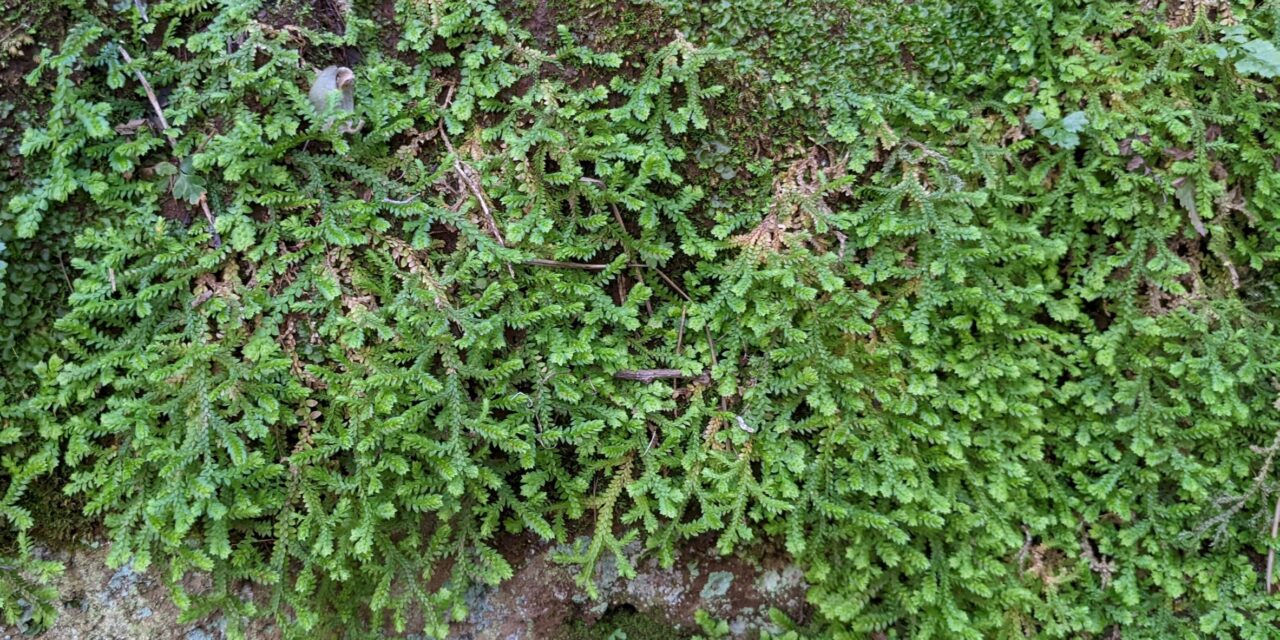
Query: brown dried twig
<point>173,141</point>
<point>684,313</point>
<point>649,375</point>
<point>151,94</point>
<point>635,268</point>
<point>556,264</point>
<point>404,201</point>
<point>1271,553</point>
<point>707,328</point>
<point>464,174</point>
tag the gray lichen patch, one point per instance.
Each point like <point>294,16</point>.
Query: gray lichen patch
<point>718,583</point>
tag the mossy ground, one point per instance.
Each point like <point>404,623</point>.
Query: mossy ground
<point>624,624</point>
<point>983,293</point>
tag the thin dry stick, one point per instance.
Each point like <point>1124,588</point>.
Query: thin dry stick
<point>173,142</point>
<point>461,170</point>
<point>556,264</point>
<point>710,341</point>
<point>652,440</point>
<point>635,269</point>
<point>684,311</point>
<point>649,375</point>
<point>1234,504</point>
<point>617,216</point>
<point>21,26</point>
<point>1271,553</point>
<point>673,285</point>
<point>715,362</point>
<point>208,216</point>
<point>151,95</point>
<point>448,97</point>
<point>66,277</point>
<point>202,298</point>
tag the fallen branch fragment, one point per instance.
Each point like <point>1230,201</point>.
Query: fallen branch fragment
<point>463,173</point>
<point>405,201</point>
<point>202,298</point>
<point>635,268</point>
<point>556,264</point>
<point>649,375</point>
<point>1271,553</point>
<point>706,327</point>
<point>208,216</point>
<point>151,94</point>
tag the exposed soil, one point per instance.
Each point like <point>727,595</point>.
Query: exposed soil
<point>100,603</point>
<point>541,602</point>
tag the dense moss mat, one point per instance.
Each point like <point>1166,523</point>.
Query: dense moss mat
<point>970,305</point>
<point>623,625</point>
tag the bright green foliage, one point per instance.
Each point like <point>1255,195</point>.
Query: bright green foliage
<point>34,284</point>
<point>984,294</point>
